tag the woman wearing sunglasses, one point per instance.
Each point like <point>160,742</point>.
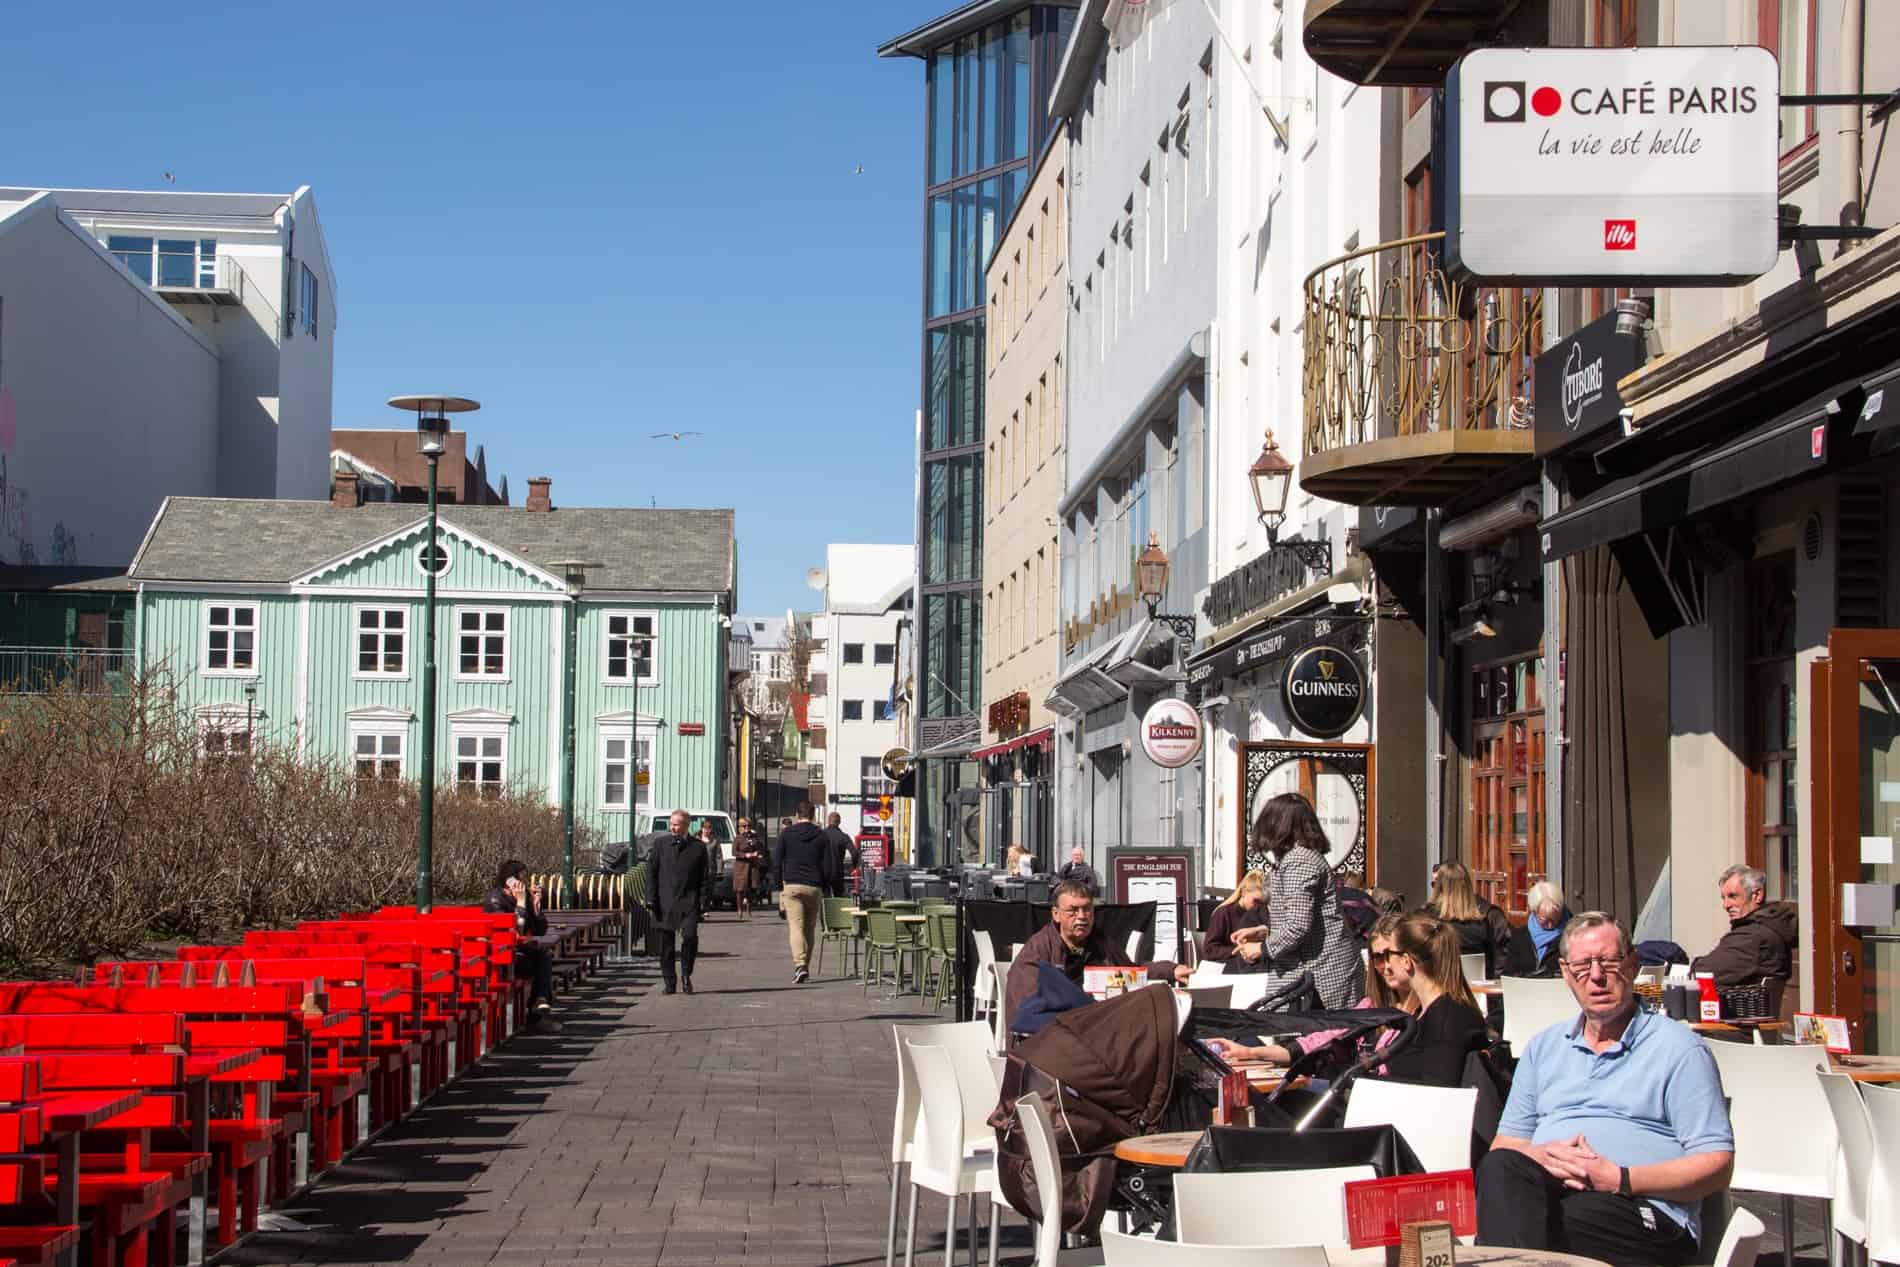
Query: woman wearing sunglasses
<point>1413,966</point>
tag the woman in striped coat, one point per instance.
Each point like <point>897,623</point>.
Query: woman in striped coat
<point>1306,930</point>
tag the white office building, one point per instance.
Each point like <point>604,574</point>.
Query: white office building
<point>156,343</point>
<point>867,595</point>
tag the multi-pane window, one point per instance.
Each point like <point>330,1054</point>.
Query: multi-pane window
<point>481,642</point>
<point>376,755</point>
<point>854,653</point>
<point>615,773</point>
<point>871,780</point>
<point>481,761</point>
<point>633,647</point>
<point>230,638</point>
<point>1786,28</point>
<point>854,710</point>
<point>307,299</point>
<point>884,653</point>
<point>227,740</point>
<point>881,710</point>
<point>190,263</point>
<point>382,639</point>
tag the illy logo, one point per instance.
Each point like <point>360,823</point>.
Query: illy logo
<point>1619,235</point>
<point>1817,441</point>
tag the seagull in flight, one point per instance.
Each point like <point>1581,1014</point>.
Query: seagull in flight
<point>858,170</point>
<point>675,435</point>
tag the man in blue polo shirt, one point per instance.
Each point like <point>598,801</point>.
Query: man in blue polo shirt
<point>1616,1127</point>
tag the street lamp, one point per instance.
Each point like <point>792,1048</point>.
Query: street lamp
<point>432,434</point>
<point>1271,476</point>
<point>574,575</point>
<point>1151,582</point>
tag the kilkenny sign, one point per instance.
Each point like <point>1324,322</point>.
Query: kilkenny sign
<point>1171,733</point>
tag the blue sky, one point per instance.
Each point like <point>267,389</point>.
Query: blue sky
<point>600,220</point>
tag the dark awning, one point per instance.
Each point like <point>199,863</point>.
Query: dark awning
<point>1795,446</point>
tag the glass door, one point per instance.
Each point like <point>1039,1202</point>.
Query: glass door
<point>1856,790</point>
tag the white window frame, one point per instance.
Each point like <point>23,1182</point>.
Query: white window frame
<point>382,632</point>
<point>309,292</point>
<point>227,721</point>
<point>634,736</point>
<point>380,731</point>
<point>230,627</point>
<point>507,648</point>
<point>608,637</point>
<point>478,731</point>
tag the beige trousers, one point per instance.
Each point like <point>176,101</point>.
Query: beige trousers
<point>804,905</point>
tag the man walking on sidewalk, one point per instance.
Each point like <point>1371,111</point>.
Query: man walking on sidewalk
<point>843,854</point>
<point>806,870</point>
<point>679,880</point>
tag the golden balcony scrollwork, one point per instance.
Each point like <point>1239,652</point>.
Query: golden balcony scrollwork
<point>1417,387</point>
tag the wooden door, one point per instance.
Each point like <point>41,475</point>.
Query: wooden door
<point>1506,832</point>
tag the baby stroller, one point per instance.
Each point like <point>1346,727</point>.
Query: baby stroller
<point>1138,1065</point>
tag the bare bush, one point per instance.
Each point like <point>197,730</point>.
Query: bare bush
<point>116,828</point>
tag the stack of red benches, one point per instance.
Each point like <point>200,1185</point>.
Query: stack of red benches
<point>157,1089</point>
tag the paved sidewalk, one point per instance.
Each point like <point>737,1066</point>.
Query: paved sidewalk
<point>747,1124</point>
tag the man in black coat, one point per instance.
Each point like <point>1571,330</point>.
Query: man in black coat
<point>844,854</point>
<point>1762,935</point>
<point>805,869</point>
<point>679,882</point>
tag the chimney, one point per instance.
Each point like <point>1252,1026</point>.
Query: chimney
<point>343,490</point>
<point>538,486</point>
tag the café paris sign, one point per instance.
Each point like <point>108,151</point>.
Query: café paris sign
<point>1610,166</point>
<point>1324,691</point>
<point>1171,733</point>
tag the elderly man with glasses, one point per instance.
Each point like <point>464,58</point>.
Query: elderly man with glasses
<point>1072,943</point>
<point>1616,1127</point>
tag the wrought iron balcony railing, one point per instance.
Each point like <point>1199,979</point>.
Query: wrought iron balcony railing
<point>1415,385</point>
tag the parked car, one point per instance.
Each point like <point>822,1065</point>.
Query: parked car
<point>723,836</point>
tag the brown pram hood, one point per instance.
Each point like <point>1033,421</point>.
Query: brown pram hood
<point>1119,1055</point>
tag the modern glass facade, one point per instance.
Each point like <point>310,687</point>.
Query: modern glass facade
<point>987,91</point>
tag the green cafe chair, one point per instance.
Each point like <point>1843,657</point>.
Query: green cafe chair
<point>837,927</point>
<point>882,940</point>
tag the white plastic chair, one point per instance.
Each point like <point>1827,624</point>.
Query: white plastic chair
<point>1854,1164</point>
<point>1046,1165</point>
<point>1785,1142</point>
<point>986,987</point>
<point>1297,1207</point>
<point>1435,1121</point>
<point>1883,1183</point>
<point>1248,988</point>
<point>1741,1242</point>
<point>1122,1250</point>
<point>1532,1004</point>
<point>968,1040</point>
<point>938,1160</point>
<point>1474,967</point>
<point>1134,944</point>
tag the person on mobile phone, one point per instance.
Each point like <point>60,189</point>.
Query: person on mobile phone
<point>513,895</point>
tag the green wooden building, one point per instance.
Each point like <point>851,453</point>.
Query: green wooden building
<point>301,623</point>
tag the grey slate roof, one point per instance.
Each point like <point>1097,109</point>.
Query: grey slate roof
<point>271,542</point>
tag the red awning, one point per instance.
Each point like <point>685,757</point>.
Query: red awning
<point>1035,737</point>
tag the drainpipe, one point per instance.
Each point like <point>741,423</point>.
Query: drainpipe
<point>1853,22</point>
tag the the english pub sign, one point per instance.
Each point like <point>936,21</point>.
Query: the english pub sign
<point>1324,691</point>
<point>1612,165</point>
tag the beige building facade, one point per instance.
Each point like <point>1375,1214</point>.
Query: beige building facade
<point>1023,472</point>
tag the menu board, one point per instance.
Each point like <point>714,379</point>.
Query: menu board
<point>1160,876</point>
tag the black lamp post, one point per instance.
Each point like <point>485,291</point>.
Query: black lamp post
<point>1151,582</point>
<point>1271,477</point>
<point>574,575</point>
<point>432,435</point>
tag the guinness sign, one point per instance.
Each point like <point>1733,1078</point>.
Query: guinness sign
<point>1324,691</point>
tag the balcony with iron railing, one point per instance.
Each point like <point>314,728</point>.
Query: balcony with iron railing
<point>43,670</point>
<point>221,285</point>
<point>1417,387</point>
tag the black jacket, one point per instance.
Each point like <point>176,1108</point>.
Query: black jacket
<point>1489,935</point>
<point>679,881</point>
<point>1759,944</point>
<point>802,855</point>
<point>1080,873</point>
<point>527,919</point>
<point>844,853</point>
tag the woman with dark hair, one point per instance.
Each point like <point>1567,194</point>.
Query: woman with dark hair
<point>1307,932</point>
<point>748,864</point>
<point>1481,927</point>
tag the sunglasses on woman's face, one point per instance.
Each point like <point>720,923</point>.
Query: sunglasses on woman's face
<point>1380,956</point>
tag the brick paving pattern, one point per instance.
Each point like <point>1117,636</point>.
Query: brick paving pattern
<point>747,1124</point>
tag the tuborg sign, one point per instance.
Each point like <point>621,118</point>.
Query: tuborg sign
<point>1598,166</point>
<point>1171,733</point>
<point>1576,379</point>
<point>1324,691</point>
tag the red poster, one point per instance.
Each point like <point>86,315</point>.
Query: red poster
<point>1376,1209</point>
